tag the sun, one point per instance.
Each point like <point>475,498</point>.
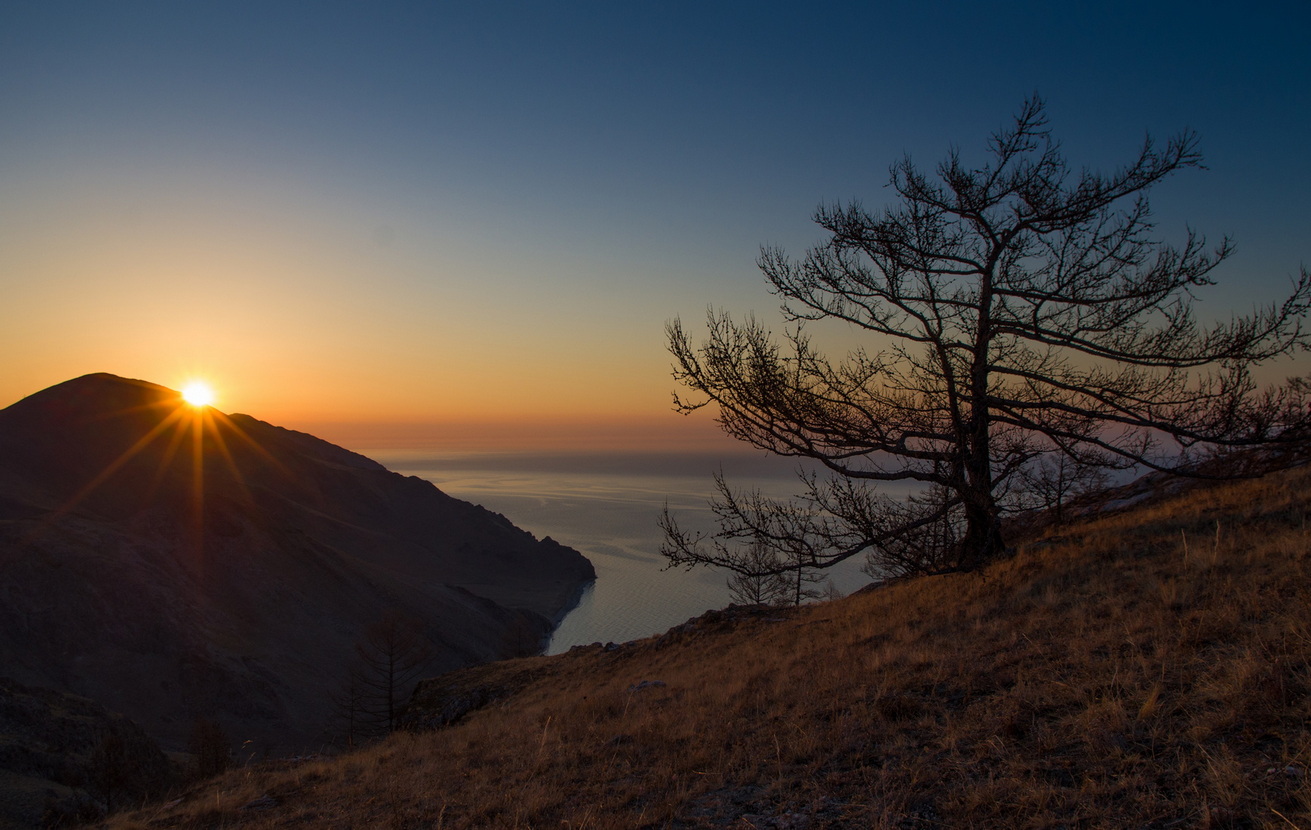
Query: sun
<point>198,393</point>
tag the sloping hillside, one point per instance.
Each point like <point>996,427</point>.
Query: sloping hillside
<point>1148,668</point>
<point>175,563</point>
<point>63,756</point>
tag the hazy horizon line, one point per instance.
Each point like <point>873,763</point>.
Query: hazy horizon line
<point>735,462</point>
<point>534,435</point>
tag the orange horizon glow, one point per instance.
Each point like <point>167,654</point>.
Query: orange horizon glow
<point>530,433</point>
<point>372,414</point>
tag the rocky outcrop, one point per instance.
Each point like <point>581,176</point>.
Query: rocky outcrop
<point>446,699</point>
<point>176,563</point>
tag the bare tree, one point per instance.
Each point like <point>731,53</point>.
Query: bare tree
<point>1015,310</point>
<point>210,748</point>
<point>348,705</point>
<point>109,767</point>
<point>758,586</point>
<point>801,582</point>
<point>1050,481</point>
<point>393,654</point>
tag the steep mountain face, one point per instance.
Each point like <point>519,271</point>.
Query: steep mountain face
<point>176,563</point>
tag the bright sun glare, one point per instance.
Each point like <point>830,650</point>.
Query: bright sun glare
<point>198,393</point>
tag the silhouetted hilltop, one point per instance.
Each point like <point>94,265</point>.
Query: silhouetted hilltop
<point>174,563</point>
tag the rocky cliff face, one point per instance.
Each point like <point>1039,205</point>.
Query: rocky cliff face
<point>176,563</point>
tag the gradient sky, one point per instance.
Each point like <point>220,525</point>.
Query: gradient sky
<point>431,213</point>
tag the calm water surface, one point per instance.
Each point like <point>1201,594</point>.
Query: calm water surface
<point>607,507</point>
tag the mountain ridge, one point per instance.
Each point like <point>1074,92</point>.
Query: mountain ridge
<point>174,562</point>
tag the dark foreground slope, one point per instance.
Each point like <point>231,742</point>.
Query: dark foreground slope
<point>1147,669</point>
<point>64,757</point>
<point>174,563</point>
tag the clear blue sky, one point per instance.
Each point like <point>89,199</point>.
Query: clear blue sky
<point>391,212</point>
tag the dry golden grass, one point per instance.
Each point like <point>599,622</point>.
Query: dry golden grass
<point>1146,669</point>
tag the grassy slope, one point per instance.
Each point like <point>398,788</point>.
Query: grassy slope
<point>1148,669</point>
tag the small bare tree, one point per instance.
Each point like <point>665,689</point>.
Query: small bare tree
<point>393,653</point>
<point>1050,481</point>
<point>1016,310</point>
<point>348,706</point>
<point>210,748</point>
<point>758,586</point>
<point>109,767</point>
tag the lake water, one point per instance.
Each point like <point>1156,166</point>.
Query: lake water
<point>607,506</point>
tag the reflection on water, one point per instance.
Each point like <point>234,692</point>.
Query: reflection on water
<point>607,507</point>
